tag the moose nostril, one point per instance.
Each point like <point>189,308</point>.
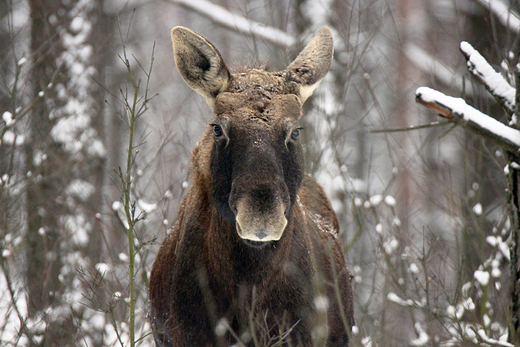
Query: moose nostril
<point>261,235</point>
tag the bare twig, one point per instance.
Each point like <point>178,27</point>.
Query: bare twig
<point>411,127</point>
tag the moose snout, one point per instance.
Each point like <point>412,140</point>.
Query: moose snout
<point>260,212</point>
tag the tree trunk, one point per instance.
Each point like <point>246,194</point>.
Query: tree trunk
<point>514,212</point>
<point>514,205</point>
<point>65,157</point>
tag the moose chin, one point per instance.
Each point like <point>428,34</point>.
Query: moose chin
<point>254,257</point>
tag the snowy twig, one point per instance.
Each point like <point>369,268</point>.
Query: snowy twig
<point>494,82</point>
<point>482,335</point>
<point>505,14</point>
<point>224,17</point>
<point>461,113</point>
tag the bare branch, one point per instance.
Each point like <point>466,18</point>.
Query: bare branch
<point>461,113</point>
<point>431,65</point>
<point>237,22</point>
<point>411,127</point>
<point>494,82</point>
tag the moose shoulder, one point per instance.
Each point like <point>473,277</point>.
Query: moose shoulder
<point>254,257</point>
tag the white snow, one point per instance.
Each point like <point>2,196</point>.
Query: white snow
<point>78,226</point>
<point>469,114</point>
<point>375,200</point>
<point>67,129</point>
<point>413,268</point>
<point>8,118</point>
<point>491,341</point>
<point>145,206</point>
<point>402,302</point>
<point>80,188</point>
<point>76,24</point>
<point>492,240</point>
<point>221,327</point>
<point>504,249</point>
<point>366,341</point>
<point>390,200</point>
<point>486,320</point>
<point>482,277</point>
<point>468,304</point>
<point>321,303</point>
<point>390,246</point>
<point>422,339</point>
<point>479,66</point>
<point>477,209</point>
<point>116,205</point>
<point>10,138</point>
<point>450,310</point>
<point>22,61</point>
<point>102,268</point>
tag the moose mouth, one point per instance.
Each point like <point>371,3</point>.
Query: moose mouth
<point>258,244</point>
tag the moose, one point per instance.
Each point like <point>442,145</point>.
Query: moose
<point>254,257</point>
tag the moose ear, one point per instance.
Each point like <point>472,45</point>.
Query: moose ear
<point>312,64</point>
<point>199,63</point>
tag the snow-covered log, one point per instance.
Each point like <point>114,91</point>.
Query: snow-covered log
<point>457,110</point>
<point>494,82</point>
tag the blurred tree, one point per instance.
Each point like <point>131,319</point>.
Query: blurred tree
<point>65,158</point>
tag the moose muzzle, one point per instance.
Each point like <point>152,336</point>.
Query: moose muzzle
<point>261,225</point>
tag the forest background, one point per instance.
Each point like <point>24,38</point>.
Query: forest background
<point>97,129</point>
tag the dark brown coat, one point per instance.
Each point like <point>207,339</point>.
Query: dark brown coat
<point>253,258</point>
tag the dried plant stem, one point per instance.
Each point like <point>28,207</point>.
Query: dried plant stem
<point>134,108</point>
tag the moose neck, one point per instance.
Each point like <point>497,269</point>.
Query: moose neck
<point>239,260</point>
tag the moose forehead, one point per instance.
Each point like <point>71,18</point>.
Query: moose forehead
<point>258,95</point>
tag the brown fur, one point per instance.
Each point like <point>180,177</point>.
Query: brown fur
<point>295,289</point>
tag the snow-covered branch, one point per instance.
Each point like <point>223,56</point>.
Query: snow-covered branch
<point>482,334</point>
<point>226,18</point>
<point>509,18</point>
<point>457,110</point>
<point>494,82</point>
<point>430,65</point>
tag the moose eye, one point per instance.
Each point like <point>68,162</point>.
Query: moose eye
<point>217,130</point>
<point>295,133</point>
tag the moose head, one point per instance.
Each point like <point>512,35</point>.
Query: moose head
<point>256,162</point>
